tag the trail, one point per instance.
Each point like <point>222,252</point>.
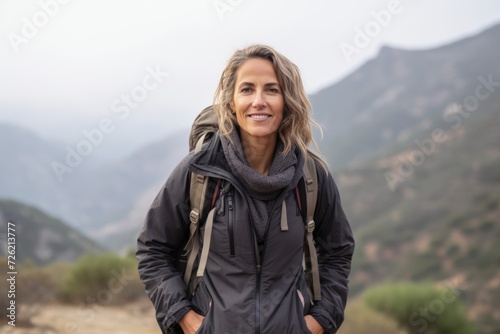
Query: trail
<point>64,319</point>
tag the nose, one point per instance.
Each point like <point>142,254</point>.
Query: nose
<point>259,102</point>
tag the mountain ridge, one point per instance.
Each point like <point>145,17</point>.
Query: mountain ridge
<point>40,237</point>
<point>410,86</point>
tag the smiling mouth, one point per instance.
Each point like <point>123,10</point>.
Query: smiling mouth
<point>259,116</point>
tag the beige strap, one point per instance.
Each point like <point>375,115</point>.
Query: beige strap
<point>193,251</point>
<point>199,143</point>
<point>197,190</point>
<point>284,220</point>
<point>313,258</point>
<point>311,181</point>
<point>206,243</point>
<point>197,193</point>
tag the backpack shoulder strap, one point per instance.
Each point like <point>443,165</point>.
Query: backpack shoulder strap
<point>310,255</point>
<point>197,191</point>
<point>204,127</point>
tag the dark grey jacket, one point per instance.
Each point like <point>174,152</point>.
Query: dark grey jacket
<point>245,288</point>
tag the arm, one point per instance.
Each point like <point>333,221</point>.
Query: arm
<point>335,244</point>
<point>164,233</point>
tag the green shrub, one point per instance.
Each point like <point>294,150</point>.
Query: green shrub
<point>420,308</point>
<point>40,284</point>
<point>360,319</point>
<point>102,279</point>
<point>35,287</point>
<point>4,286</point>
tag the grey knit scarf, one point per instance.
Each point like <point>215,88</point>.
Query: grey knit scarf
<point>262,189</point>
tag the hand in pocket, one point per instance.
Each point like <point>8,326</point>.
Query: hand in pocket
<point>313,326</point>
<point>191,322</point>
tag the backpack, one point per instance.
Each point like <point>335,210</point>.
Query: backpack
<point>204,127</point>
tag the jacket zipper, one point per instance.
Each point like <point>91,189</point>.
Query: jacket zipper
<point>230,225</point>
<point>258,269</point>
<point>225,193</point>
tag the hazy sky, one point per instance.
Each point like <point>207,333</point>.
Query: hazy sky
<point>67,65</point>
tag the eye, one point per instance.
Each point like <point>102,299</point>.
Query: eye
<point>273,90</point>
<point>245,90</point>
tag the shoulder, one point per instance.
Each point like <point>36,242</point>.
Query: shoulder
<point>197,156</point>
<point>183,166</point>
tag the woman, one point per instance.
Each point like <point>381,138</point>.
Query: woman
<point>254,280</point>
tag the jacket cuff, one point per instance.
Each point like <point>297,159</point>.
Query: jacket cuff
<point>325,323</point>
<point>174,318</point>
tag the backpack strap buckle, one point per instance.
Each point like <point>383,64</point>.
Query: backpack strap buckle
<point>310,226</point>
<point>194,217</point>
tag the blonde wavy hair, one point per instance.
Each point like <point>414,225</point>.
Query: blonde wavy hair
<point>296,127</point>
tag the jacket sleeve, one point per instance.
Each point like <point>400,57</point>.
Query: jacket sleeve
<point>164,233</point>
<point>335,245</point>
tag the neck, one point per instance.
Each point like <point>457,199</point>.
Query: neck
<point>259,152</point>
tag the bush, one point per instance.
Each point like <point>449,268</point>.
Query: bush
<point>4,286</point>
<point>40,285</point>
<point>420,308</point>
<point>35,287</point>
<point>360,319</point>
<point>102,279</point>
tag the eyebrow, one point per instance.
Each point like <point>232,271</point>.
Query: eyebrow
<point>252,84</point>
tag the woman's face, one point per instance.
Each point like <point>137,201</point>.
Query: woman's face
<point>258,101</point>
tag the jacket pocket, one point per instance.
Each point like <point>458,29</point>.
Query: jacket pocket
<point>303,295</point>
<point>202,303</point>
<point>304,306</point>
<point>201,299</point>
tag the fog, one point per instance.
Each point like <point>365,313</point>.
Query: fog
<point>68,65</point>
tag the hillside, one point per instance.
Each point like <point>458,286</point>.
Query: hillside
<point>107,197</point>
<point>25,172</point>
<point>40,237</point>
<point>441,222</point>
<point>375,106</point>
<point>90,196</point>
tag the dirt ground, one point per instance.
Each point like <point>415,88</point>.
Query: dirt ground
<point>64,319</point>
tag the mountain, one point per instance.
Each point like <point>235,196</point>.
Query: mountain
<point>413,138</point>
<point>378,104</point>
<point>40,237</point>
<point>440,222</point>
<point>111,192</point>
<point>25,168</point>
<point>87,197</point>
<point>126,189</point>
